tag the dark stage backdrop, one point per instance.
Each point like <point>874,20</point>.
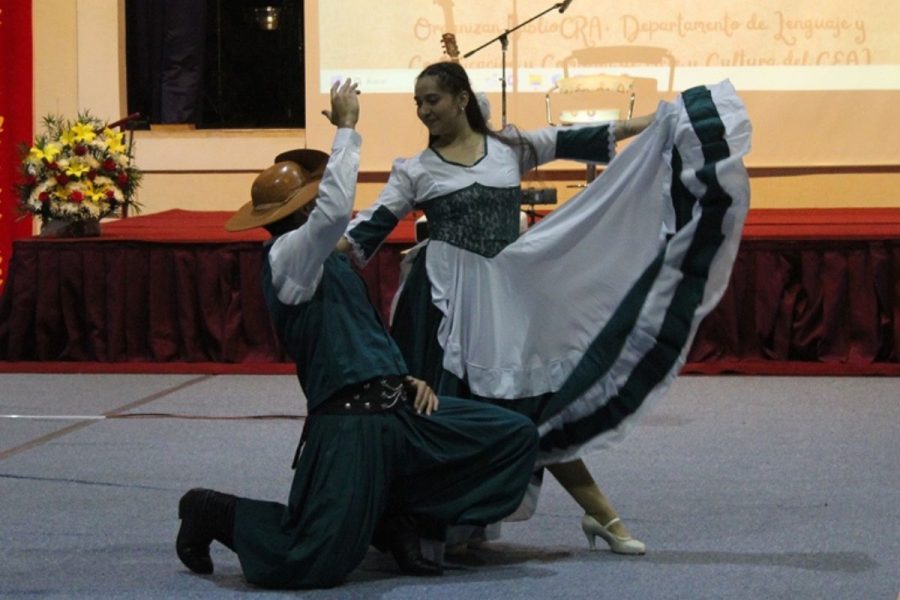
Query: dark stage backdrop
<point>216,64</point>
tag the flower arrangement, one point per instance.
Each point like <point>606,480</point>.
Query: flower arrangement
<point>78,171</point>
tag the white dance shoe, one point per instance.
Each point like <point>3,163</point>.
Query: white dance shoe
<point>620,545</point>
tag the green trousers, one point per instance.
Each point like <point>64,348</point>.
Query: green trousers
<point>468,463</point>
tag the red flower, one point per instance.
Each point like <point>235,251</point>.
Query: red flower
<point>76,197</point>
<point>44,197</point>
<point>80,150</point>
<point>51,165</point>
<point>122,178</point>
<point>91,175</point>
<point>110,194</point>
<point>30,180</point>
<point>109,165</point>
<point>62,179</point>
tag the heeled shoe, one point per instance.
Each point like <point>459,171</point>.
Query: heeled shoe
<point>619,545</point>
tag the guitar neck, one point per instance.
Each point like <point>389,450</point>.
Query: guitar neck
<point>447,8</point>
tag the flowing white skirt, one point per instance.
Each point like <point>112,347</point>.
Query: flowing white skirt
<point>599,302</point>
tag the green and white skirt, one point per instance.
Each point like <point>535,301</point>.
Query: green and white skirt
<point>586,319</point>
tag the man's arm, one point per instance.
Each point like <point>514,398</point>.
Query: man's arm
<point>297,256</point>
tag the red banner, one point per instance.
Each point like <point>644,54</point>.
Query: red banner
<point>15,119</point>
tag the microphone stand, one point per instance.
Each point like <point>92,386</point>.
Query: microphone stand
<point>503,38</point>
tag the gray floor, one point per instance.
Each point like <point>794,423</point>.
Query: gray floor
<point>741,487</point>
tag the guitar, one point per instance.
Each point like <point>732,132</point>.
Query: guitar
<point>448,41</point>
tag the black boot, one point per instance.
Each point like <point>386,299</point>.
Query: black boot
<point>404,545</point>
<point>206,515</point>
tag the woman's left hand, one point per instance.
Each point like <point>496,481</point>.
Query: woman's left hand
<point>426,401</point>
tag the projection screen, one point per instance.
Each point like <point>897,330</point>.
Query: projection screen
<point>820,78</point>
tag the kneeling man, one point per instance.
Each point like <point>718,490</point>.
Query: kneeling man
<point>382,459</point>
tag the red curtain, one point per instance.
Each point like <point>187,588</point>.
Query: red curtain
<point>834,304</point>
<point>15,119</point>
<point>174,288</point>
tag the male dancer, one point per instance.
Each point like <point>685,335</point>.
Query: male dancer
<point>382,457</point>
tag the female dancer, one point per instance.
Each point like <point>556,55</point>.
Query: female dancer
<point>560,324</point>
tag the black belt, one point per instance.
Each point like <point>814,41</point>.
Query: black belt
<point>379,395</point>
<point>373,396</point>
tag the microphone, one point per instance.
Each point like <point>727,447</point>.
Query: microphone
<point>564,5</point>
<point>134,116</point>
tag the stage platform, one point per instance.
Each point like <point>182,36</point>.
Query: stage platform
<point>812,292</point>
<point>743,488</point>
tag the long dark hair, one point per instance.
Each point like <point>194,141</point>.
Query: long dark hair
<point>453,79</point>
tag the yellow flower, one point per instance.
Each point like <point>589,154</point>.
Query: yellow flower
<point>84,132</point>
<point>77,169</point>
<point>48,152</point>
<point>52,150</point>
<point>114,140</point>
<point>93,193</point>
<point>67,137</point>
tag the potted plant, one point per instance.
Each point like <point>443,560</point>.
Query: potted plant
<point>76,173</point>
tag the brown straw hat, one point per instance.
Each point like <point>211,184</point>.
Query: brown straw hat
<point>288,185</point>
